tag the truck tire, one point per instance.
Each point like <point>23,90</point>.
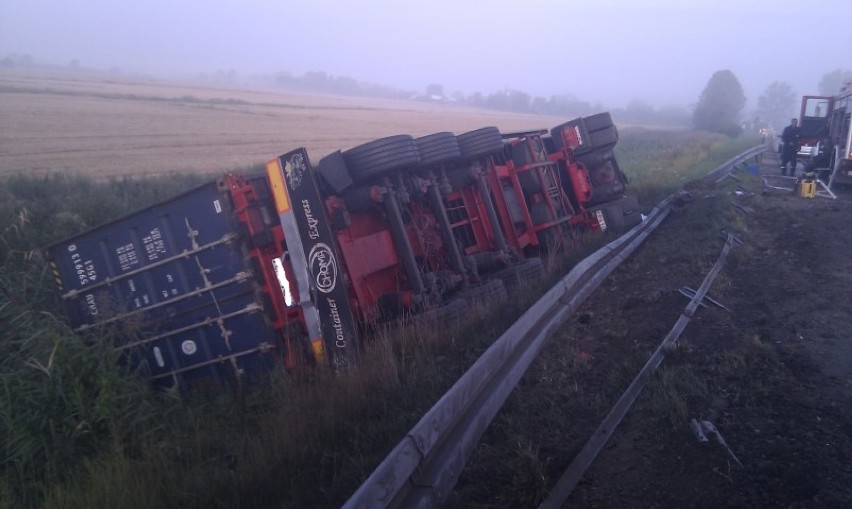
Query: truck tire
<point>438,148</point>
<point>598,122</point>
<point>487,292</point>
<point>513,276</point>
<point>380,157</point>
<point>481,142</point>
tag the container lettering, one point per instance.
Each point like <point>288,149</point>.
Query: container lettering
<point>313,231</point>
<point>91,304</point>
<point>85,269</point>
<point>340,337</point>
<point>154,244</point>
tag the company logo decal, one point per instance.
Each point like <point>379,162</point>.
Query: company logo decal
<point>323,267</point>
<point>294,169</point>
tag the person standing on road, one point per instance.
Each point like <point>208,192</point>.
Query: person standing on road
<point>790,146</point>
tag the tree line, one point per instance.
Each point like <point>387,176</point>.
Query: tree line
<point>719,108</point>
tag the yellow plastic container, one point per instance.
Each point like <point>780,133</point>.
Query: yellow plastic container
<point>807,188</point>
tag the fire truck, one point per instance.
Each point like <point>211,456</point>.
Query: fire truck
<point>826,135</point>
<point>226,281</point>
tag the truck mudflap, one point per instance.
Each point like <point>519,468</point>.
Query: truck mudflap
<point>315,259</point>
<point>619,215</point>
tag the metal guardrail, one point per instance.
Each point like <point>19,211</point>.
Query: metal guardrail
<point>724,169</point>
<point>422,469</point>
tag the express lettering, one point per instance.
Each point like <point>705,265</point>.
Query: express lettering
<point>313,231</point>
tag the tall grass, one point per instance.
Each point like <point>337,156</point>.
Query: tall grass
<point>78,431</point>
<point>658,163</point>
<point>64,398</point>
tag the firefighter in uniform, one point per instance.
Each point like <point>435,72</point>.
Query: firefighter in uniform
<point>790,146</point>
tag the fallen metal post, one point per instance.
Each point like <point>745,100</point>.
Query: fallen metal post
<point>745,210</point>
<point>581,463</point>
<point>689,292</point>
<point>744,191</point>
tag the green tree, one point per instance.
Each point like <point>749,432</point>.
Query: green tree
<point>831,83</point>
<point>718,108</point>
<point>777,104</point>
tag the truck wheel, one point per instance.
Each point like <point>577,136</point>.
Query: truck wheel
<point>513,276</point>
<point>380,157</point>
<point>438,148</point>
<point>481,142</point>
<point>598,122</point>
<point>487,292</point>
<point>604,139</point>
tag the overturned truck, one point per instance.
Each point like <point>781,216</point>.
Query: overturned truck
<point>239,276</point>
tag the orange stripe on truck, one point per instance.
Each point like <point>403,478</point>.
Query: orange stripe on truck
<point>279,191</point>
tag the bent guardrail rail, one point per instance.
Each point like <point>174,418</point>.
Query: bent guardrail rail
<point>724,169</point>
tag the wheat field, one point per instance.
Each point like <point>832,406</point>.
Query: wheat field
<point>105,125</point>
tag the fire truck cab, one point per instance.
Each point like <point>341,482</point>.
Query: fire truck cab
<point>814,118</point>
<point>826,134</point>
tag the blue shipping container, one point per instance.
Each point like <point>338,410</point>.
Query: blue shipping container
<point>174,281</point>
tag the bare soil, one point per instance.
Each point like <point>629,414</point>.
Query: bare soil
<point>774,374</point>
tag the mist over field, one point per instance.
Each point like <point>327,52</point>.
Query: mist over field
<point>607,52</point>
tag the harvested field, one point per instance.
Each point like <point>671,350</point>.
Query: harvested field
<point>112,125</point>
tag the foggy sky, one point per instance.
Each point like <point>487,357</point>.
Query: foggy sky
<point>607,51</point>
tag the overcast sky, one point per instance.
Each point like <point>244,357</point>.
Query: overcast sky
<point>607,51</point>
